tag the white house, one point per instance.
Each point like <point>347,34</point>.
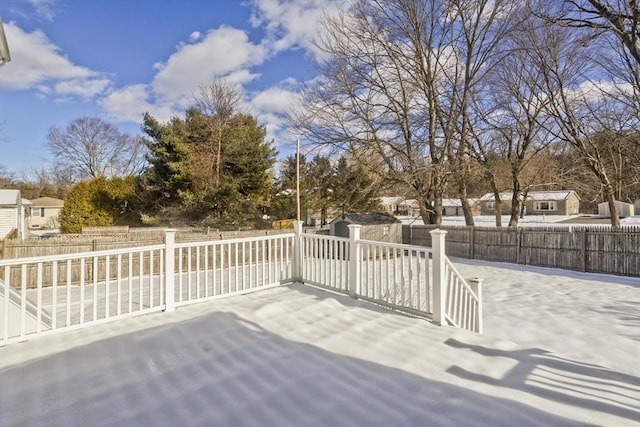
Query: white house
<point>13,215</point>
<point>562,202</point>
<point>45,212</point>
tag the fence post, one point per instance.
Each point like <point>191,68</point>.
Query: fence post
<point>169,269</point>
<point>297,252</point>
<point>476,286</point>
<point>439,276</point>
<point>584,249</point>
<point>355,260</point>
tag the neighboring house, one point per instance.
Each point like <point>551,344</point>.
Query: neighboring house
<point>409,207</point>
<point>45,212</point>
<point>624,209</point>
<point>13,215</point>
<point>565,202</point>
<point>399,206</point>
<point>390,204</point>
<point>378,226</point>
<point>453,207</point>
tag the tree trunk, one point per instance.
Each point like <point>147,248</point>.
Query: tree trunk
<point>515,209</point>
<point>613,209</point>
<point>466,209</point>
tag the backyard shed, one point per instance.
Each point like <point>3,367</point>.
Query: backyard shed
<point>624,209</point>
<point>377,226</point>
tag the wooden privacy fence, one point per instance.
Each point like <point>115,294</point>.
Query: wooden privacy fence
<point>118,238</point>
<point>574,247</point>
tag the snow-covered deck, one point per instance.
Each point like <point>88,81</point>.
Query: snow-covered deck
<point>559,348</point>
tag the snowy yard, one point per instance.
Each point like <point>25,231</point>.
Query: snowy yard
<point>560,348</point>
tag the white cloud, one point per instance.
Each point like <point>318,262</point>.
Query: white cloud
<point>292,23</point>
<point>82,87</point>
<point>273,100</point>
<point>131,102</point>
<point>223,52</point>
<point>36,63</point>
<point>271,107</point>
<point>44,8</point>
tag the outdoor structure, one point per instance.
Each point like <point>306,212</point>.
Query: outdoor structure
<point>399,206</point>
<point>624,209</point>
<point>13,216</point>
<point>45,212</point>
<point>390,204</point>
<point>40,295</point>
<point>377,226</point>
<point>565,202</point>
<point>453,207</point>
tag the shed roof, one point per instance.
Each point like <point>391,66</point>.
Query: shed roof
<point>9,197</point>
<point>369,218</point>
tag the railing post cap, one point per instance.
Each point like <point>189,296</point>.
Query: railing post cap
<point>475,279</point>
<point>438,232</point>
<point>170,230</point>
<point>354,226</point>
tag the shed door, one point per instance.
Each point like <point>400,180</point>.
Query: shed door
<point>342,229</point>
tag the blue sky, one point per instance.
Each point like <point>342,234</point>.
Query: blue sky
<point>116,59</point>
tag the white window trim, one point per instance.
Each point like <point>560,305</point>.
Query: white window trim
<point>552,206</point>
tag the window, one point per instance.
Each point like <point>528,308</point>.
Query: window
<point>491,205</point>
<point>37,211</point>
<point>545,206</point>
<point>385,230</point>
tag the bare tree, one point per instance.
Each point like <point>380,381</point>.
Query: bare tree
<point>580,111</point>
<point>613,28</point>
<point>513,115</point>
<point>92,147</point>
<point>396,80</point>
<point>620,18</point>
<point>217,101</point>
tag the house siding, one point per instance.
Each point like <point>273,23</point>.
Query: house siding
<point>8,220</point>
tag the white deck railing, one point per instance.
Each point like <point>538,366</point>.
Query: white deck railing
<point>45,294</point>
<point>413,279</point>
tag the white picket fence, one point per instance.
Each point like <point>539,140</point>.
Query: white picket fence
<point>42,295</point>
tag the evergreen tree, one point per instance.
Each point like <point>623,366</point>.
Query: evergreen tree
<point>169,174</point>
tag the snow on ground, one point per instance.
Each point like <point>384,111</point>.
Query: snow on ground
<point>560,348</point>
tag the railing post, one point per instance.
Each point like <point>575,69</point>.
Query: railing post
<point>476,286</point>
<point>169,269</point>
<point>355,260</point>
<point>297,252</point>
<point>439,276</point>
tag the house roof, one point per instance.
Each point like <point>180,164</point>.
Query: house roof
<point>369,218</point>
<point>390,201</point>
<point>550,195</point>
<point>47,202</point>
<point>533,195</point>
<point>9,197</point>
